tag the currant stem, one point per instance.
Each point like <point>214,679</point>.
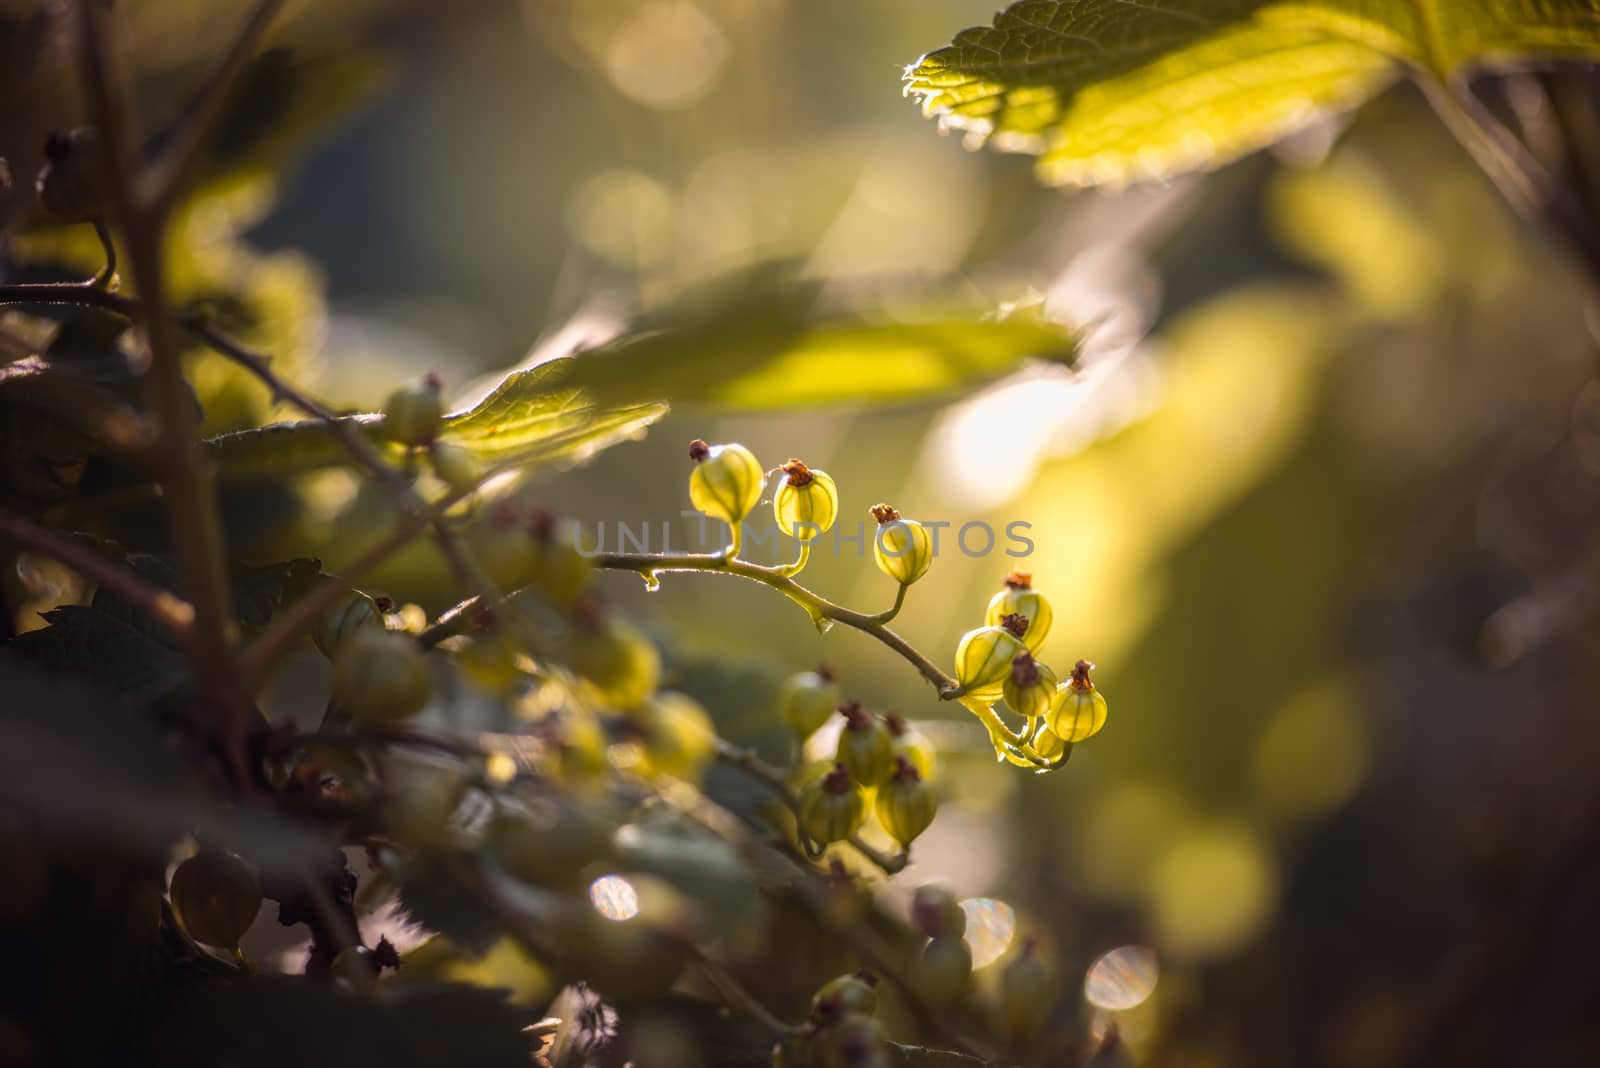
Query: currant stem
<point>894,610</point>
<point>789,570</point>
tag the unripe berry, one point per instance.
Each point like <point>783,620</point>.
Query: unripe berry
<point>726,482</point>
<point>380,676</point>
<point>807,501</point>
<point>806,700</point>
<point>1027,993</point>
<point>985,656</point>
<point>412,413</point>
<point>857,1041</point>
<point>69,184</point>
<point>619,662</point>
<point>630,960</point>
<point>902,547</point>
<point>1030,687</point>
<point>1019,598</point>
<point>865,748</point>
<point>216,897</point>
<point>940,975</point>
<point>679,737</point>
<point>355,965</point>
<point>906,804</point>
<point>562,572</point>
<point>936,912</point>
<point>845,996</point>
<point>910,743</point>
<point>455,465</point>
<point>1079,710</point>
<point>491,659</point>
<point>1048,745</point>
<point>353,612</point>
<point>551,843</point>
<point>832,807</point>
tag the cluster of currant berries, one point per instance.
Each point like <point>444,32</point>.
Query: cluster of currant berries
<point>997,660</point>
<point>880,763</point>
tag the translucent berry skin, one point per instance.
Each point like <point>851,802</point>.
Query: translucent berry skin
<point>937,913</point>
<point>857,1041</point>
<point>620,663</point>
<point>919,752</point>
<point>727,483</point>
<point>412,413</point>
<point>867,751</point>
<point>846,995</point>
<point>1032,698</point>
<point>906,807</point>
<point>903,549</point>
<point>805,511</point>
<point>1048,745</point>
<point>984,659</point>
<point>1027,994</point>
<point>1031,605</point>
<point>806,700</point>
<point>490,660</point>
<point>69,184</point>
<point>942,972</point>
<point>380,677</point>
<point>456,465</point>
<point>829,814</point>
<point>1077,714</point>
<point>680,739</point>
<point>216,897</point>
<point>355,611</point>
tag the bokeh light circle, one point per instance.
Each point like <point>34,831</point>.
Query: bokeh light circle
<point>1121,979</point>
<point>614,897</point>
<point>990,927</point>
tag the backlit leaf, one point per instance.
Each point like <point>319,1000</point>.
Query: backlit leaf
<point>1111,91</point>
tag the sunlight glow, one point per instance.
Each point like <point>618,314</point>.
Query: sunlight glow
<point>614,898</point>
<point>991,924</point>
<point>1122,978</point>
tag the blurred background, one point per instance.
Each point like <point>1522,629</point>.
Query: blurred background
<point>1320,498</point>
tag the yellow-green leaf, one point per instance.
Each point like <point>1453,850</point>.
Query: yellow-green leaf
<point>762,341</point>
<point>1113,91</point>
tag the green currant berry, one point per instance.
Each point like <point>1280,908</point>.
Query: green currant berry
<point>806,700</point>
<point>857,1041</point>
<point>680,739</point>
<point>551,843</point>
<point>354,611</point>
<point>561,572</point>
<point>1019,598</point>
<point>412,413</point>
<point>380,676</point>
<point>902,547</point>
<point>578,746</point>
<point>1048,745</point>
<point>727,481</point>
<point>832,808</point>
<point>491,658</point>
<point>502,544</point>
<point>1079,710</point>
<point>619,662</point>
<point>940,975</point>
<point>630,960</point>
<point>69,184</point>
<point>985,656</point>
<point>455,465</point>
<point>1030,688</point>
<point>807,502</point>
<point>906,804</point>
<point>865,747</point>
<point>936,912</point>
<point>847,995</point>
<point>1027,993</point>
<point>910,743</point>
<point>216,897</point>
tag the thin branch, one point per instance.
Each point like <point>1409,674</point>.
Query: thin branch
<point>1521,178</point>
<point>736,997</point>
<point>773,779</point>
<point>192,514</point>
<point>163,181</point>
<point>172,613</point>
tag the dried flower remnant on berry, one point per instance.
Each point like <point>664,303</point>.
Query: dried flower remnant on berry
<point>1080,675</point>
<point>1018,626</point>
<point>1020,580</point>
<point>799,474</point>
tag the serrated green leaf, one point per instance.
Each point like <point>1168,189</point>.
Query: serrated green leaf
<point>529,415</point>
<point>763,341</point>
<point>87,643</point>
<point>1111,91</point>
